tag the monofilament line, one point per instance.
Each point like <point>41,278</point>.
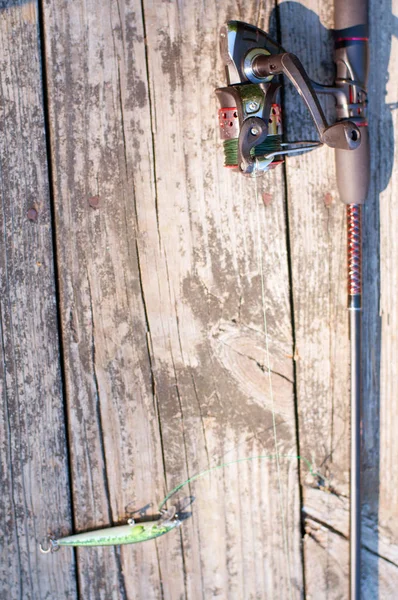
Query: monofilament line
<point>271,391</point>
<point>234,462</point>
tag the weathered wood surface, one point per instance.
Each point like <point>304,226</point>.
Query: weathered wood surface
<point>34,478</point>
<point>161,318</point>
<point>159,254</point>
<point>318,249</point>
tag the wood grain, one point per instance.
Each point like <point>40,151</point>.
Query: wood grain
<point>168,264</point>
<point>161,306</point>
<point>33,459</point>
<point>116,453</point>
<point>210,293</point>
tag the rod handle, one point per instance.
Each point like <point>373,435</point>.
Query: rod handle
<point>349,13</point>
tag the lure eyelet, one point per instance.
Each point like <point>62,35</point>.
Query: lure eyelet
<point>53,547</point>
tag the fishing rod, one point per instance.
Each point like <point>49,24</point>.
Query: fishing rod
<point>353,174</point>
<point>250,120</point>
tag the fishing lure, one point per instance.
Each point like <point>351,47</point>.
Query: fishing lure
<point>132,533</point>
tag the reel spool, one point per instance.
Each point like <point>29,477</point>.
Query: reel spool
<point>263,153</point>
<point>250,118</point>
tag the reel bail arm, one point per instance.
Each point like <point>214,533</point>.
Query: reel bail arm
<point>343,134</point>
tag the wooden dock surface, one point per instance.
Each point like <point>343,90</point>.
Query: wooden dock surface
<point>160,315</point>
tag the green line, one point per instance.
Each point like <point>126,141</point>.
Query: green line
<point>235,462</point>
<point>272,143</point>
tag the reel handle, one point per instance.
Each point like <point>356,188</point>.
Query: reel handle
<point>344,134</point>
<point>353,171</point>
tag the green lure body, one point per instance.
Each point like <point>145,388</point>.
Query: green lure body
<point>122,534</point>
<point>132,533</point>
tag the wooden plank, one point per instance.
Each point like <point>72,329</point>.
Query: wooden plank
<point>161,305</point>
<point>317,233</point>
<point>95,53</point>
<point>204,238</point>
<point>33,461</point>
<point>331,573</point>
<point>211,300</point>
<point>318,249</point>
<point>326,508</point>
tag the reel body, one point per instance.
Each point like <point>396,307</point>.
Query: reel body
<point>248,144</point>
<point>250,116</point>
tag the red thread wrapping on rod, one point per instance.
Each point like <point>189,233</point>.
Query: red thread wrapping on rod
<point>354,235</point>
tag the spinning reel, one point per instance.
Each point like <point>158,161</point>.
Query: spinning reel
<point>250,114</point>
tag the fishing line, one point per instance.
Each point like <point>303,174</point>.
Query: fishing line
<point>235,462</point>
<point>231,148</point>
<point>268,365</point>
<point>272,143</point>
